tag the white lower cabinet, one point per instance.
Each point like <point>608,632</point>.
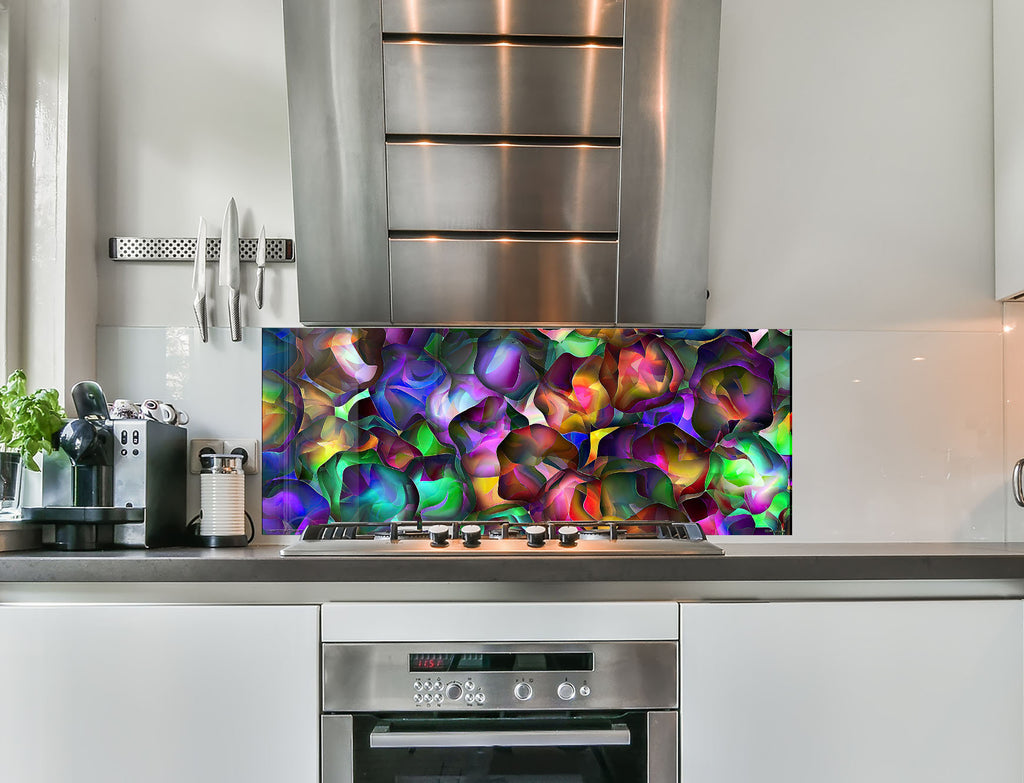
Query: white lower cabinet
<point>159,694</point>
<point>851,692</point>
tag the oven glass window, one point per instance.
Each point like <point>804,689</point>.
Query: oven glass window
<point>532,757</point>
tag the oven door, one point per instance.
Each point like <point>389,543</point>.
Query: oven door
<point>630,747</point>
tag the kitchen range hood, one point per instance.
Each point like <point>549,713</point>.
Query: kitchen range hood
<point>502,161</point>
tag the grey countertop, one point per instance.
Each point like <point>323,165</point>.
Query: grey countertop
<point>743,562</point>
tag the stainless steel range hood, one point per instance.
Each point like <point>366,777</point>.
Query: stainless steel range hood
<point>502,161</point>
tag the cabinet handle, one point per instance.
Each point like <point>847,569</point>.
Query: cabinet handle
<point>1018,488</point>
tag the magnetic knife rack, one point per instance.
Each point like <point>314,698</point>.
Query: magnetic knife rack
<point>279,251</point>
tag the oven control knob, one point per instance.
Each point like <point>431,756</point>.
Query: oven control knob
<point>453,691</point>
<point>535,535</point>
<point>471,535</point>
<point>523,691</point>
<point>584,690</point>
<point>438,535</point>
<point>566,691</point>
<point>568,535</point>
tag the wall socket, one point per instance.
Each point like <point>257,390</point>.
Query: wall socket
<point>198,446</point>
<point>249,448</point>
<point>250,451</point>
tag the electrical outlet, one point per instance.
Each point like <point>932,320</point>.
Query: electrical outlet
<point>199,446</point>
<point>249,449</point>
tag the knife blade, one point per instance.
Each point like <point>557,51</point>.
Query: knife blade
<point>229,274</point>
<point>199,282</point>
<point>261,262</point>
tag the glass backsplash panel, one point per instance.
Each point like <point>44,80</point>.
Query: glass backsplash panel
<point>376,425</point>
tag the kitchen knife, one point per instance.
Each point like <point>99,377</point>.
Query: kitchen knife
<point>229,275</point>
<point>261,262</point>
<point>199,281</point>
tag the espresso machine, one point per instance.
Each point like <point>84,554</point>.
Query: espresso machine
<point>113,483</point>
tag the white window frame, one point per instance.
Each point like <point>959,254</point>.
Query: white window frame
<point>8,324</point>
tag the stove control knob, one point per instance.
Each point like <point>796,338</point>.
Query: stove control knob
<point>471,535</point>
<point>438,535</point>
<point>535,535</point>
<point>453,691</point>
<point>568,535</point>
<point>566,691</point>
<point>584,690</point>
<point>523,691</point>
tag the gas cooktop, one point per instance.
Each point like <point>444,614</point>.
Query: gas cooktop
<point>503,538</point>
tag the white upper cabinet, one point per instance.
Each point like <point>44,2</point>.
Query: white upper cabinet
<point>1008,130</point>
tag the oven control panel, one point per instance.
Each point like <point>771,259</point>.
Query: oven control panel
<point>480,677</point>
<point>440,692</point>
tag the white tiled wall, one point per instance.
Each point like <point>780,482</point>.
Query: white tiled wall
<point>896,436</point>
<point>852,202</point>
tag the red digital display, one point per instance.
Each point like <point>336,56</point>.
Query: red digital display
<point>430,662</point>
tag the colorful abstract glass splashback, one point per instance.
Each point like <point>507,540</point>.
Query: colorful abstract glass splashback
<point>376,425</point>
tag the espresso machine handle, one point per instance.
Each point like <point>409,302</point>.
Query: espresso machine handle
<point>90,401</point>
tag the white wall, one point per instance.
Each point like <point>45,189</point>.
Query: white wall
<point>194,112</point>
<point>852,202</point>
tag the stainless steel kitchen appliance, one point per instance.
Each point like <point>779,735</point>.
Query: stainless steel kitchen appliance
<point>502,161</point>
<point>468,539</point>
<point>517,711</point>
<point>117,482</point>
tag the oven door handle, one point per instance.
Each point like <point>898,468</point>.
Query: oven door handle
<point>382,737</point>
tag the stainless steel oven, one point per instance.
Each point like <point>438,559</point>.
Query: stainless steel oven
<point>519,712</point>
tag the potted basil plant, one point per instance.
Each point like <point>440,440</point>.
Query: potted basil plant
<point>28,423</point>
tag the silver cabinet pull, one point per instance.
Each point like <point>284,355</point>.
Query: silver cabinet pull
<point>1018,488</point>
<point>383,737</point>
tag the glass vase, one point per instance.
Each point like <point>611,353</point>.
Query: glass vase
<point>11,469</point>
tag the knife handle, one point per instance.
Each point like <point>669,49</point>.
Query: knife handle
<point>199,306</point>
<point>234,317</point>
<point>258,294</point>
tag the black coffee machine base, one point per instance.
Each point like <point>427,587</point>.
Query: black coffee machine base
<point>82,537</point>
<point>82,528</point>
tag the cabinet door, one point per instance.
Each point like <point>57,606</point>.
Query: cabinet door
<point>852,692</point>
<point>161,694</point>
<point>1008,151</point>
